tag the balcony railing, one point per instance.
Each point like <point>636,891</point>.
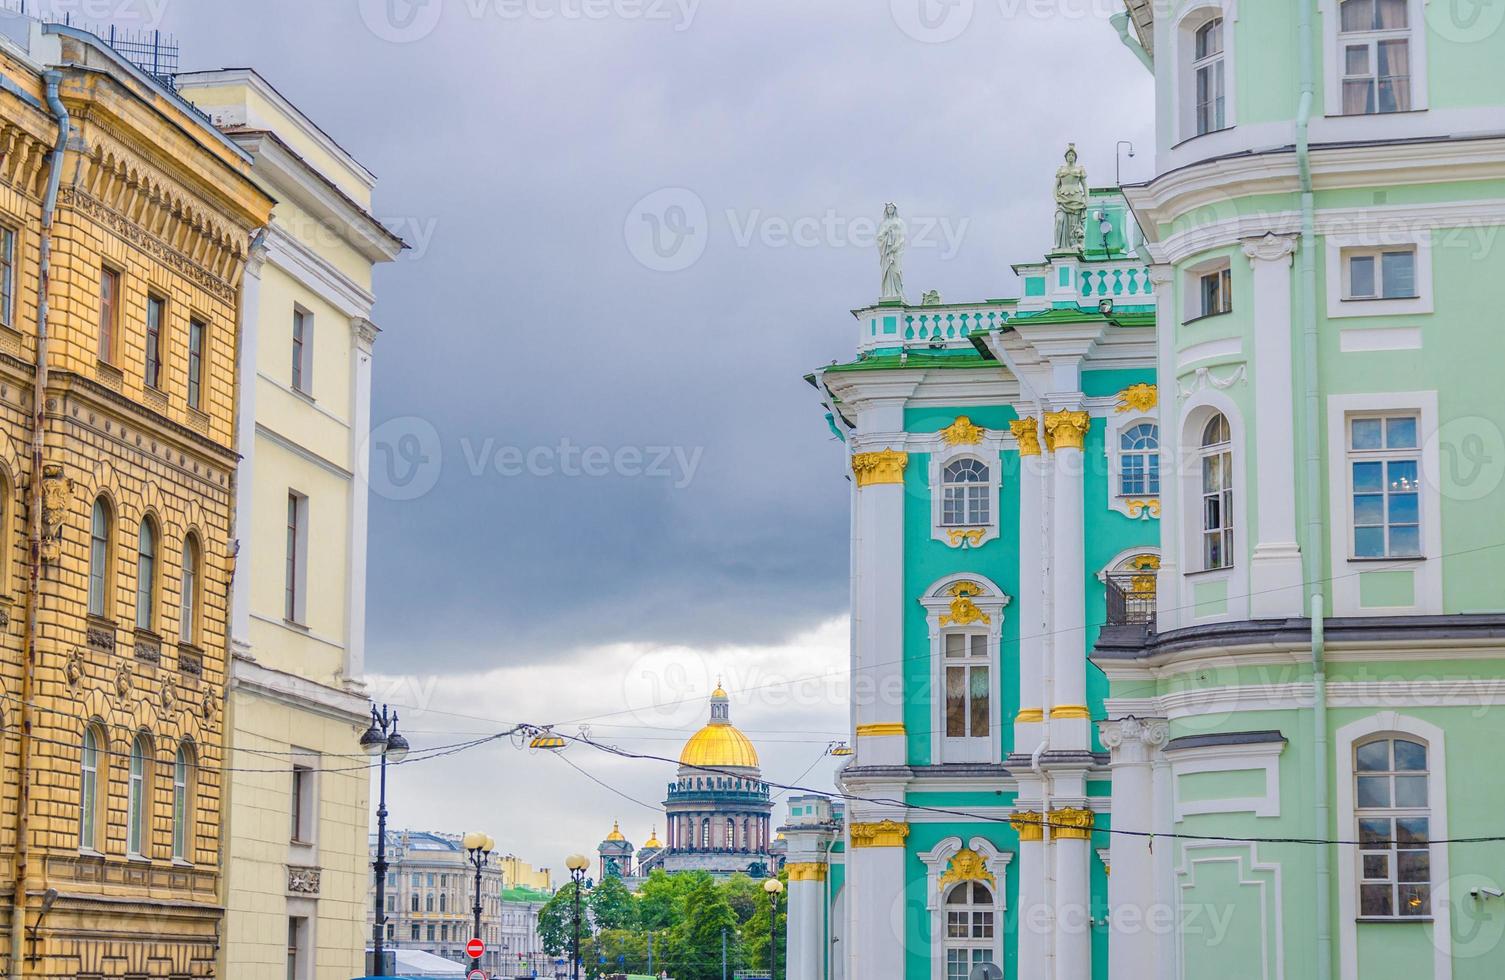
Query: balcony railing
<point>1131,598</point>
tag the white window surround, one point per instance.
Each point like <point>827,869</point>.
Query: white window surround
<point>989,452</point>
<point>1337,274</point>
<point>1332,61</point>
<point>1264,756</point>
<point>939,603</point>
<point>1191,287</point>
<point>1196,411</point>
<point>1184,90</point>
<point>1115,425</point>
<point>936,861</point>
<point>1391,723</point>
<point>1346,570</point>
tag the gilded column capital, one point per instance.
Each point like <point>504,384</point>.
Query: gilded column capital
<point>1028,825</point>
<point>886,466</point>
<point>1067,430</point>
<point>1027,433</point>
<point>1071,823</point>
<point>806,871</point>
<point>885,833</point>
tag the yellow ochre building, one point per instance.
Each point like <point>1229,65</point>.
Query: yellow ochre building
<point>125,226</point>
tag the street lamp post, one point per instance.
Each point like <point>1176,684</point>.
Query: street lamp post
<point>577,863</point>
<point>382,739</point>
<point>479,847</point>
<point>773,887</point>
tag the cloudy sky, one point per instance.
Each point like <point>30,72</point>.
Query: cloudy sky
<point>599,479</point>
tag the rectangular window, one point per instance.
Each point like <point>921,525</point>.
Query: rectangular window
<point>1376,56</point>
<point>156,311</point>
<point>1380,273</point>
<point>1217,507</point>
<point>1211,114</point>
<point>302,805</point>
<point>7,277</point>
<point>109,313</point>
<point>297,948</point>
<point>89,792</point>
<point>1394,829</point>
<point>1216,292</point>
<point>302,352</point>
<point>196,339</point>
<point>297,558</point>
<point>1384,458</point>
<point>967,685</point>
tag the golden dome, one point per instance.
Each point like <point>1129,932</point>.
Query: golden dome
<point>719,745</point>
<point>653,842</point>
<point>616,832</point>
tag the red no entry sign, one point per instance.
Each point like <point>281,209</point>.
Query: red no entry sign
<point>476,975</point>
<point>475,949</point>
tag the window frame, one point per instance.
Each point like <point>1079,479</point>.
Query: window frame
<point>975,655</point>
<point>139,798</point>
<point>295,570</point>
<point>198,352</point>
<point>1393,813</point>
<point>1227,496</point>
<point>1215,64</point>
<point>9,240</point>
<point>148,555</point>
<point>303,800</point>
<point>1150,474</point>
<point>1334,62</point>
<point>1187,66</point>
<point>1193,306</point>
<point>1370,39</point>
<point>988,603</point>
<point>101,581</point>
<point>108,321</point>
<point>973,912</point>
<point>94,791</point>
<point>986,450</point>
<point>1384,456</point>
<point>190,582</point>
<point>1340,249</point>
<point>301,377</point>
<point>184,779</point>
<point>152,369</point>
<point>970,496</point>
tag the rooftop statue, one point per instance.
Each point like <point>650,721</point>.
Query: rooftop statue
<point>891,254</point>
<point>1071,204</point>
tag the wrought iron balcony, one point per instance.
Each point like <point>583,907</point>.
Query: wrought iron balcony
<point>1131,598</point>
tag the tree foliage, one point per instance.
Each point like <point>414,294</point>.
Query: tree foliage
<point>556,921</point>
<point>611,905</point>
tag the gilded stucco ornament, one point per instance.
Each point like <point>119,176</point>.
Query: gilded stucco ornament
<point>967,865</point>
<point>1027,824</point>
<point>73,667</point>
<point>880,467</point>
<point>965,537</point>
<point>964,611</point>
<point>885,833</point>
<point>1138,398</point>
<point>1143,508</point>
<point>1067,430</point>
<point>1027,434</point>
<point>806,871</point>
<point>1071,823</point>
<point>963,433</point>
<point>57,493</point>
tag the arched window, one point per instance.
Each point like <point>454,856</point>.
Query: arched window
<point>99,559</point>
<point>969,929</point>
<point>428,902</point>
<point>442,905</point>
<point>188,610</point>
<point>1208,71</point>
<point>1139,454</point>
<point>964,493</point>
<point>1375,59</point>
<point>138,800</point>
<point>182,801</point>
<point>1216,456</point>
<point>91,799</point>
<point>146,575</point>
<point>731,834</point>
<point>1393,812</point>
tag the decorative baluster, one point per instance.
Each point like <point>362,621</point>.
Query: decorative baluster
<point>1118,282</point>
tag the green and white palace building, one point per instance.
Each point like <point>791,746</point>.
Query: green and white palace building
<point>1178,582</point>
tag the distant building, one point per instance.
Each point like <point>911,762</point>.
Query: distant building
<point>719,811</point>
<point>430,898</point>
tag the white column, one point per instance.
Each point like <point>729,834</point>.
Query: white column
<point>1171,516</point>
<point>245,444</point>
<point>1275,569</point>
<point>875,895</point>
<point>1073,915</point>
<point>807,863</point>
<point>363,338</point>
<point>1133,946</point>
<point>1029,606</point>
<point>1069,718</point>
<point>878,677</point>
<point>1034,913</point>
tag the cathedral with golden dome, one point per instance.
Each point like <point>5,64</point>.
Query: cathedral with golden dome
<point>719,811</point>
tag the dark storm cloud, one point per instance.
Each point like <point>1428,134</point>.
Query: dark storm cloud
<point>512,150</point>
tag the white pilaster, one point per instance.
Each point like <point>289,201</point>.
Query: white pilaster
<point>245,444</point>
<point>1275,568</point>
<point>1035,916</point>
<point>807,862</point>
<point>1073,915</point>
<point>1133,946</point>
<point>363,338</point>
<point>1033,581</point>
<point>1162,278</point>
<point>1069,720</point>
<point>876,878</point>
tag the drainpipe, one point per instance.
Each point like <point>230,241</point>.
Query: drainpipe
<point>1312,489</point>
<point>34,533</point>
<point>1120,22</point>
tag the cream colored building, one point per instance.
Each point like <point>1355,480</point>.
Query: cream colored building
<point>296,835</point>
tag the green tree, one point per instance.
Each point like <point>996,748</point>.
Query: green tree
<point>612,906</point>
<point>556,921</point>
<point>661,899</point>
<point>697,940</point>
<point>744,895</point>
<point>755,929</point>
